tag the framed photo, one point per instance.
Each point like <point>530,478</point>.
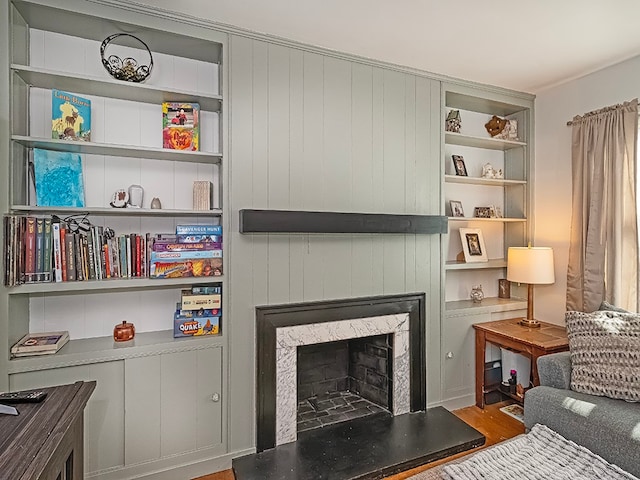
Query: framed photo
<point>458,163</point>
<point>496,212</point>
<point>483,212</point>
<point>456,208</point>
<point>473,245</point>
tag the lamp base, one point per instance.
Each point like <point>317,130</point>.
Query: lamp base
<point>529,322</point>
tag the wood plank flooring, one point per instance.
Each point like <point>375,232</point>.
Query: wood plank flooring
<point>491,422</point>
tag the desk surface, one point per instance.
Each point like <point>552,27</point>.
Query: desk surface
<point>30,439</point>
<point>547,337</point>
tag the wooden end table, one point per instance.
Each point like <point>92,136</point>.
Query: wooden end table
<point>532,342</point>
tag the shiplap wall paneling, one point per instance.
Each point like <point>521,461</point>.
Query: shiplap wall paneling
<point>312,132</point>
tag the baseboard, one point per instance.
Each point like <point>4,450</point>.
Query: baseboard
<point>174,468</point>
<point>457,402</point>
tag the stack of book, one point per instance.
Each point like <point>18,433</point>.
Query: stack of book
<point>46,343</point>
<point>194,251</point>
<point>199,312</point>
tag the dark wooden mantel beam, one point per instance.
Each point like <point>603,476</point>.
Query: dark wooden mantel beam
<point>294,221</point>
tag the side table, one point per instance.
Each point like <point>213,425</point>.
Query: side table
<point>532,342</point>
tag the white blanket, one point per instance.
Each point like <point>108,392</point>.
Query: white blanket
<point>542,454</point>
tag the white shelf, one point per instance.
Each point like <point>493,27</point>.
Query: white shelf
<point>104,349</point>
<point>117,150</point>
<point>109,211</point>
<point>491,182</point>
<point>104,87</point>
<point>491,264</point>
<point>475,219</point>
<point>488,143</point>
<point>488,305</point>
<point>111,285</point>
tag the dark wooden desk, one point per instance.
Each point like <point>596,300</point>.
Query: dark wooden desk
<point>45,441</point>
<point>533,342</point>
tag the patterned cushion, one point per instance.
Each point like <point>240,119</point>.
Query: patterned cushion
<point>607,306</point>
<point>605,353</point>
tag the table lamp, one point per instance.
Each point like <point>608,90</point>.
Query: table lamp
<point>533,266</point>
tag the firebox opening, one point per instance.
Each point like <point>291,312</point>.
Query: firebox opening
<point>342,380</point>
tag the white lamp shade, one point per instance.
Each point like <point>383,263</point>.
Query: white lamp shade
<point>533,265</point>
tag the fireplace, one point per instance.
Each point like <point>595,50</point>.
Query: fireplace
<point>393,323</point>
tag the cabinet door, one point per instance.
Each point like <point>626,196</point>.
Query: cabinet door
<point>173,404</point>
<point>103,416</point>
<point>458,364</point>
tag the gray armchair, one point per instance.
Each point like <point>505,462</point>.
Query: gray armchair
<point>607,427</point>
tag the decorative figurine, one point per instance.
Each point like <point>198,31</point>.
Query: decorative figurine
<point>477,294</point>
<point>454,122</point>
<point>489,172</point>
<point>123,332</point>
<point>119,198</point>
<point>155,203</point>
<point>136,196</point>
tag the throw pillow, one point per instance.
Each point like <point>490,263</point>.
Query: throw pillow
<point>612,308</point>
<point>605,353</point>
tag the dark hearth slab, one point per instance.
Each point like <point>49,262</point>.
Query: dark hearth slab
<point>371,447</point>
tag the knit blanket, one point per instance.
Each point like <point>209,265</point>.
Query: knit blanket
<point>542,454</point>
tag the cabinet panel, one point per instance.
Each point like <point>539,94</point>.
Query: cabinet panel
<point>190,418</point>
<point>142,409</point>
<point>104,418</point>
<point>458,347</point>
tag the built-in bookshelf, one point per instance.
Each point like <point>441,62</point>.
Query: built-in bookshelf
<point>56,45</point>
<point>510,194</point>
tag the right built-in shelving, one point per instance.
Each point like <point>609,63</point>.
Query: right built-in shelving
<point>508,193</point>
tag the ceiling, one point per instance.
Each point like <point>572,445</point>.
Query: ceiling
<point>523,45</point>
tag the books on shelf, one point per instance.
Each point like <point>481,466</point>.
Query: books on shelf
<point>42,248</point>
<point>181,126</point>
<point>58,178</point>
<point>199,312</point>
<point>70,116</point>
<point>46,343</point>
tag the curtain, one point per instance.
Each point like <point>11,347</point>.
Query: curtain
<point>603,250</point>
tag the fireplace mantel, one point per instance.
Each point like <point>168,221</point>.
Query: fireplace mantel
<point>294,221</point>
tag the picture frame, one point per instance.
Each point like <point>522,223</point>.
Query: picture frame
<point>460,167</point>
<point>456,208</point>
<point>483,212</point>
<point>473,245</point>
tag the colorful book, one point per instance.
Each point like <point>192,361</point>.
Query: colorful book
<point>58,178</point>
<point>208,267</point>
<point>57,251</point>
<point>48,247</point>
<point>181,126</point>
<point>30,250</point>
<point>70,116</point>
<point>199,230</point>
<point>164,246</point>
<point>195,326</point>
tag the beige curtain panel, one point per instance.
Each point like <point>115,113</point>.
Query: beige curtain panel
<point>603,253</point>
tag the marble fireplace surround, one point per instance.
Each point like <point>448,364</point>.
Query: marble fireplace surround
<point>282,328</point>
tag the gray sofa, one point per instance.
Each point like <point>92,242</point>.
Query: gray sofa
<point>608,427</point>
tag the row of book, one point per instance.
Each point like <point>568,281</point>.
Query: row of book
<point>48,249</point>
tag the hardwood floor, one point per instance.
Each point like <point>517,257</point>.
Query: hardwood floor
<point>491,422</point>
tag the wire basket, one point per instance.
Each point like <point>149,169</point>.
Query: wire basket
<point>126,69</point>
